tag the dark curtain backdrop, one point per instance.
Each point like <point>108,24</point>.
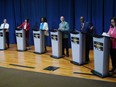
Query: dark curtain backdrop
<point>98,12</point>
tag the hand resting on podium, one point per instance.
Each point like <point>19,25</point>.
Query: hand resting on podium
<point>107,34</point>
<point>21,28</point>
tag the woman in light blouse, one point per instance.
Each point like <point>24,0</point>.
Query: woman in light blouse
<point>112,33</point>
<point>44,26</point>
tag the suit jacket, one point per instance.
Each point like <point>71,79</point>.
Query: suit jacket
<point>27,27</point>
<point>85,28</point>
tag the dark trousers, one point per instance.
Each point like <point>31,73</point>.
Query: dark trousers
<point>65,46</point>
<point>27,39</point>
<point>27,42</point>
<point>88,43</point>
<point>113,58</point>
<point>7,38</point>
<point>45,41</point>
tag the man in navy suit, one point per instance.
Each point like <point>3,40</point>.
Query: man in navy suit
<point>87,28</point>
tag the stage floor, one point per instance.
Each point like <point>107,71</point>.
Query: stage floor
<point>29,61</point>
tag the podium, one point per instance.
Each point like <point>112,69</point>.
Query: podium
<point>2,39</point>
<point>56,40</point>
<point>78,41</point>
<point>39,41</point>
<point>101,46</point>
<point>21,39</point>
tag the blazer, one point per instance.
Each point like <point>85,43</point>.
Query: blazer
<point>27,27</point>
<point>85,28</point>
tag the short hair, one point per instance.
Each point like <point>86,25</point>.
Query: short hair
<point>62,16</point>
<point>27,20</point>
<point>5,19</point>
<point>82,17</point>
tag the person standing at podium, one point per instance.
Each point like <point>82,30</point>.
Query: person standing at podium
<point>87,28</point>
<point>44,26</point>
<point>5,26</point>
<point>26,26</point>
<point>64,27</point>
<point>112,33</point>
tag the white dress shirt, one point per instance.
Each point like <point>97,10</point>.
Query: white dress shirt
<point>25,26</point>
<point>4,26</point>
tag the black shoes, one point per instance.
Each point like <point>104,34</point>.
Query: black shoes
<point>86,62</point>
<point>67,55</point>
<point>113,70</point>
<point>28,48</point>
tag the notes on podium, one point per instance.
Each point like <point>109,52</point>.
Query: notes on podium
<point>105,34</point>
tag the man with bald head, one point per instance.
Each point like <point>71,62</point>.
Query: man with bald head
<point>85,26</point>
<point>64,27</point>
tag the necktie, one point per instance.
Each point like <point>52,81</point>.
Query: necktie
<point>4,25</point>
<point>82,25</point>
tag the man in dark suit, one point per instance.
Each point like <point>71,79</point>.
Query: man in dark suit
<point>87,28</point>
